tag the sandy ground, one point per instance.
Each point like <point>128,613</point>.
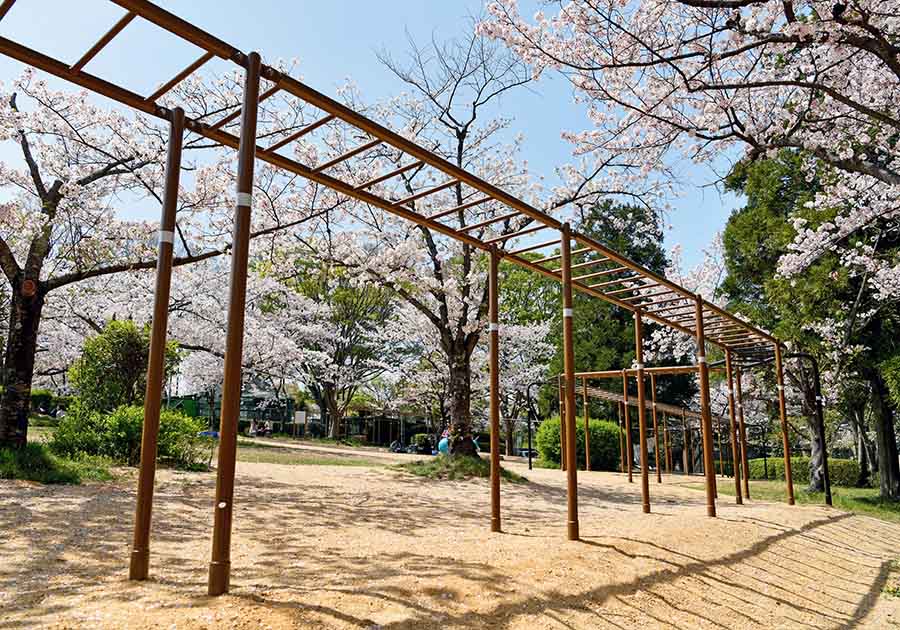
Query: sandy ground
<point>351,547</point>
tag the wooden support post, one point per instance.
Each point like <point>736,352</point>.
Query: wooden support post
<point>562,424</point>
<point>587,429</point>
<point>735,463</point>
<point>687,455</point>
<point>494,317</point>
<point>743,429</point>
<point>668,448</point>
<point>569,367</point>
<point>782,411</point>
<point>706,420</point>
<point>642,411</point>
<point>140,550</point>
<point>629,449</point>
<point>655,428</point>
<point>220,565</point>
<point>621,439</point>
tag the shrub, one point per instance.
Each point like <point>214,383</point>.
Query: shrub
<point>117,435</point>
<point>35,462</point>
<point>842,472</point>
<point>604,443</point>
<point>42,399</point>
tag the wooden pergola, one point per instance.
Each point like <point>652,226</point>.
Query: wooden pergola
<point>490,220</point>
<point>737,427</point>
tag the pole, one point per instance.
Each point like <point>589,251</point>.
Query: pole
<point>629,449</point>
<point>140,552</point>
<point>735,464</point>
<point>562,424</point>
<point>587,429</point>
<point>621,439</point>
<point>569,367</point>
<point>686,454</point>
<point>668,450</point>
<point>744,456</point>
<point>706,420</point>
<point>493,300</point>
<point>220,565</point>
<point>782,412</point>
<point>642,412</point>
<point>655,428</point>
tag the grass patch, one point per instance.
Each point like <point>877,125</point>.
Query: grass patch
<point>35,462</point>
<point>271,454</point>
<point>857,500</point>
<point>444,467</point>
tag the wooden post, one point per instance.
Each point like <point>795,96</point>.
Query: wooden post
<point>140,550</point>
<point>220,565</point>
<point>706,420</point>
<point>629,449</point>
<point>743,429</point>
<point>642,412</point>
<point>782,411</point>
<point>668,448</point>
<point>587,429</point>
<point>569,367</point>
<point>735,464</point>
<point>494,317</point>
<point>655,427</point>
<point>562,424</point>
<point>686,451</point>
<point>621,439</point>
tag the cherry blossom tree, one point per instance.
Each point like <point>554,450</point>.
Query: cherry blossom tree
<point>666,80</point>
<point>81,163</point>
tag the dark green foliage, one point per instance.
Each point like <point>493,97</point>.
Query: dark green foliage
<point>604,443</point>
<point>41,399</point>
<point>456,467</point>
<point>117,435</point>
<point>843,472</point>
<point>35,462</point>
<point>112,369</point>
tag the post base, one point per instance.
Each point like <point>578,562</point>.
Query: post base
<point>573,530</point>
<point>711,511</point>
<point>646,507</point>
<point>791,501</point>
<point>219,577</point>
<point>495,525</point>
<point>139,567</point>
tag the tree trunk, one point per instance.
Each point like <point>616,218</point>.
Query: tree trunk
<point>460,393</point>
<point>885,438</point>
<point>333,412</point>
<point>509,441</point>
<point>18,361</point>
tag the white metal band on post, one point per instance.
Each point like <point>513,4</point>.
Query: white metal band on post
<point>494,327</point>
<point>701,359</point>
<point>779,387</point>
<point>567,312</point>
<point>244,199</point>
<point>166,236</point>
<point>638,366</point>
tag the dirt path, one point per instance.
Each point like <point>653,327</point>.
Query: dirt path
<point>350,547</point>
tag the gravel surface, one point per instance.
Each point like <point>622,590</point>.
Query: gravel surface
<point>373,548</point>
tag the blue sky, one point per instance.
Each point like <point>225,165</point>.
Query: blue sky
<point>334,41</point>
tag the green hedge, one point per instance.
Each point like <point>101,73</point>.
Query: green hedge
<point>842,472</point>
<point>604,443</point>
<point>117,435</point>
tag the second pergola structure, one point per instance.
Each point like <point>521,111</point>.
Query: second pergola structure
<point>489,219</point>
<point>737,428</point>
